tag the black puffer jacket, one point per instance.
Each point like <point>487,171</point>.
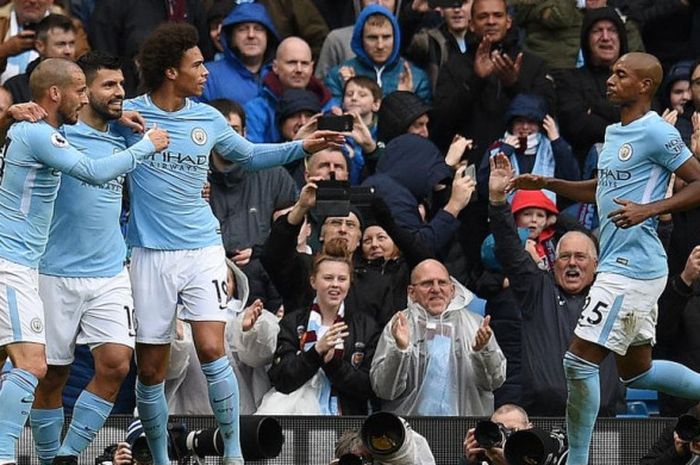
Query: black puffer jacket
<point>370,292</point>
<point>292,366</point>
<point>584,111</point>
<point>466,104</point>
<point>549,318</point>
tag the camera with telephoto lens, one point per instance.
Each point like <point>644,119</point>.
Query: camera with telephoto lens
<point>334,197</point>
<point>261,438</point>
<point>391,441</point>
<point>489,434</point>
<point>688,428</point>
<point>536,446</point>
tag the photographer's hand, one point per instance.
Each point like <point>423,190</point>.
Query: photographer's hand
<point>496,456</point>
<point>307,201</point>
<point>472,451</point>
<point>457,147</point>
<point>361,134</point>
<point>462,189</point>
<point>122,456</point>
<point>309,128</point>
<point>681,446</point>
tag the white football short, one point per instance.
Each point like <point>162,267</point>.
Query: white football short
<point>91,311</point>
<point>21,310</point>
<point>620,312</point>
<point>159,277</point>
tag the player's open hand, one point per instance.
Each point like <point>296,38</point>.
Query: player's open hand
<point>483,334</point>
<point>321,140</point>
<point>251,315</point>
<point>528,182</point>
<point>29,111</point>
<point>159,137</point>
<point>631,214</point>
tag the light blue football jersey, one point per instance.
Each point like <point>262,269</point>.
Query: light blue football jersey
<point>32,161</point>
<point>635,164</point>
<point>167,208</point>
<point>85,238</point>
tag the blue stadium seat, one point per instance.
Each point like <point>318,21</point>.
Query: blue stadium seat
<point>641,403</point>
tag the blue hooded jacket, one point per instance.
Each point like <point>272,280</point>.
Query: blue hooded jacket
<point>387,76</point>
<point>228,78</point>
<point>407,174</point>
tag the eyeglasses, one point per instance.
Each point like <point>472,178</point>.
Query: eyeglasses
<point>429,283</point>
<point>339,222</point>
<point>579,257</point>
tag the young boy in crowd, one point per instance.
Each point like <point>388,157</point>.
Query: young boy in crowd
<point>361,96</point>
<point>536,212</point>
<point>533,144</point>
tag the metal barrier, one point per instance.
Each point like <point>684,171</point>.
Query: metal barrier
<point>311,440</point>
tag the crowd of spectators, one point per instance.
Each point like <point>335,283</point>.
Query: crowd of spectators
<point>377,308</point>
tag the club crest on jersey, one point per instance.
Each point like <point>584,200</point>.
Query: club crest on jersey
<point>625,152</point>
<point>199,136</point>
<point>58,140</point>
<point>36,325</point>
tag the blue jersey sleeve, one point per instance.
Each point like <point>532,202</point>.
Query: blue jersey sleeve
<point>253,157</point>
<point>52,149</point>
<point>672,151</point>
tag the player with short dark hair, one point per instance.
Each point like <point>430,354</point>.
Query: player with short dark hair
<point>31,164</point>
<point>176,241</point>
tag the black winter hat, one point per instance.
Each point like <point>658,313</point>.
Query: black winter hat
<point>296,100</point>
<point>398,110</point>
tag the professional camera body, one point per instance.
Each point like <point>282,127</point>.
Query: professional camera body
<point>334,197</point>
<point>489,434</point>
<point>536,446</point>
<point>392,441</point>
<point>688,428</point>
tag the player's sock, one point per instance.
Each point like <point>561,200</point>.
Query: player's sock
<point>47,425</point>
<point>89,414</point>
<point>582,404</point>
<point>223,397</point>
<point>669,377</point>
<point>16,398</point>
<point>153,412</point>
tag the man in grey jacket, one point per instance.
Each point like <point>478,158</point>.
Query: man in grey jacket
<point>437,357</point>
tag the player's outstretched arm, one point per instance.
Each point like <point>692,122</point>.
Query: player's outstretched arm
<point>55,151</point>
<point>579,191</point>
<point>254,157</point>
